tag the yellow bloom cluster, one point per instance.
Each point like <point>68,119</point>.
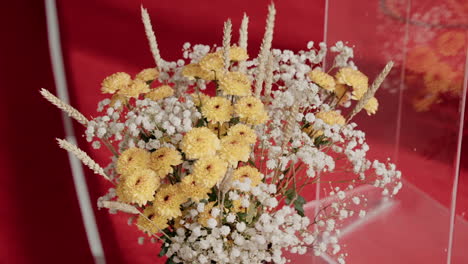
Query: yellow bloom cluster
<point>217,109</point>
<point>168,200</point>
<point>218,129</point>
<point>331,117</point>
<point>251,110</point>
<point>132,160</point>
<point>243,131</point>
<point>138,187</point>
<point>117,97</point>
<point>213,62</point>
<point>354,78</point>
<point>160,92</point>
<point>234,149</point>
<point>135,89</point>
<point>341,91</point>
<point>193,70</point>
<point>199,99</point>
<point>200,142</point>
<point>235,83</point>
<point>209,171</point>
<point>248,172</point>
<point>236,53</point>
<point>193,188</point>
<point>116,82</point>
<point>162,160</point>
<point>148,75</point>
<point>322,79</point>
<point>151,221</point>
<point>371,106</point>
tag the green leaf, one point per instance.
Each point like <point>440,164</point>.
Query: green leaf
<point>290,195</point>
<point>321,140</point>
<point>234,120</point>
<point>242,216</point>
<point>251,163</point>
<point>201,122</point>
<point>251,212</point>
<point>170,261</point>
<point>163,250</point>
<point>299,205</point>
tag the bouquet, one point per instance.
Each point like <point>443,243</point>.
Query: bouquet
<point>211,153</point>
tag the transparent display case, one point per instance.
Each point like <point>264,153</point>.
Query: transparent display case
<point>420,126</point>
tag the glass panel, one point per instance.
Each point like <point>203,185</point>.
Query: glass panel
<point>417,124</point>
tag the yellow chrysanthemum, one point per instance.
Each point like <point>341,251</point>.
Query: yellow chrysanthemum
<point>234,149</point>
<point>331,117</point>
<point>152,222</point>
<point>118,98</point>
<point>217,109</point>
<point>322,79</point>
<point>163,159</point>
<point>209,171</point>
<point>148,75</point>
<point>135,89</point>
<point>236,53</point>
<point>138,187</point>
<point>213,62</point>
<point>133,159</point>
<point>194,70</point>
<point>199,98</point>
<point>168,200</point>
<point>245,132</point>
<point>204,216</point>
<point>193,188</point>
<point>251,110</point>
<point>235,83</point>
<point>248,172</point>
<point>237,206</point>
<point>354,78</point>
<point>341,91</point>
<point>160,92</point>
<point>371,106</point>
<point>200,142</point>
<point>218,129</point>
<point>115,82</point>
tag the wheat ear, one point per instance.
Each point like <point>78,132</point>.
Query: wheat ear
<point>70,110</point>
<point>227,42</point>
<point>83,157</point>
<point>123,207</point>
<point>265,49</point>
<point>372,90</point>
<point>151,38</point>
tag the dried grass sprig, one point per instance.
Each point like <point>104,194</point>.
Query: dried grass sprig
<point>123,207</point>
<point>151,38</point>
<point>265,49</point>
<point>269,77</point>
<point>83,157</point>
<point>70,110</point>
<point>243,37</point>
<point>371,91</point>
<point>227,32</point>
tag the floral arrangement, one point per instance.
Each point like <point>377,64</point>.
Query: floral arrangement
<point>212,156</point>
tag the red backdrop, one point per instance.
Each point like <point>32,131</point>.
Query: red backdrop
<point>40,220</point>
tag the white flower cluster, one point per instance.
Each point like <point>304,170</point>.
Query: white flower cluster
<point>237,241</point>
<point>168,117</point>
